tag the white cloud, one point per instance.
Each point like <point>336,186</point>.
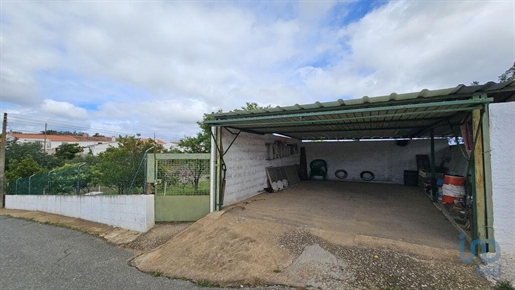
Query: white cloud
<point>411,45</point>
<point>63,110</point>
<point>144,67</point>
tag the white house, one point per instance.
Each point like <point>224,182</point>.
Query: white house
<point>50,143</point>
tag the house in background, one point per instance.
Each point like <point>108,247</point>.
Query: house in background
<point>50,143</point>
<point>93,145</point>
<point>172,146</point>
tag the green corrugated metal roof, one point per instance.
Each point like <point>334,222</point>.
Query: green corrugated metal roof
<point>389,116</point>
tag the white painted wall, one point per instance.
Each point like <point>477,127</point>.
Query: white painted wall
<point>383,158</point>
<point>502,144</point>
<point>246,163</point>
<point>132,212</point>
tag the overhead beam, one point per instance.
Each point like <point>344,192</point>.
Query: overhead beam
<point>271,130</point>
<point>418,132</point>
<point>369,122</point>
<point>246,130</point>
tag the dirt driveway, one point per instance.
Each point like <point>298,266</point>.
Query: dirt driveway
<point>326,234</point>
<point>386,211</point>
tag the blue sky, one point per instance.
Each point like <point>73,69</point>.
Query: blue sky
<point>127,67</point>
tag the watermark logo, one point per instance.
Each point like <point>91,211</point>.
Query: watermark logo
<point>488,270</point>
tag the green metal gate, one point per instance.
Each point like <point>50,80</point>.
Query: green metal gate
<point>180,183</point>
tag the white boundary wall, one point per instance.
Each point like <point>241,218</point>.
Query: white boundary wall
<point>132,212</point>
<point>502,144</point>
<point>246,161</point>
<point>383,158</point>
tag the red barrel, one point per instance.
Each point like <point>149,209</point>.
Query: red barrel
<point>453,188</point>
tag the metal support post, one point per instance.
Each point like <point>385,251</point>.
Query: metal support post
<point>434,189</point>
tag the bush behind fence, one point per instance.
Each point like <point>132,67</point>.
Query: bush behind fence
<point>173,177</point>
<point>59,181</point>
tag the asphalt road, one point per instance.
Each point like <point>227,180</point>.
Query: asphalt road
<point>39,256</point>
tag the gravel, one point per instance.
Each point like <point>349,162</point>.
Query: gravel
<point>365,268</point>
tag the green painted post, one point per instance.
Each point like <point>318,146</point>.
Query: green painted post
<point>434,190</point>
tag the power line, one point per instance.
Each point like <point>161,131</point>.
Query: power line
<point>30,124</point>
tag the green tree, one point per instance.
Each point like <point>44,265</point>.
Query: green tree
<point>15,152</point>
<point>22,168</point>
<point>201,143</point>
<point>118,166</point>
<point>252,106</point>
<point>63,180</point>
<point>68,151</point>
<point>508,75</point>
<point>55,132</point>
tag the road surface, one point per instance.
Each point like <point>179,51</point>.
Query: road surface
<point>39,256</point>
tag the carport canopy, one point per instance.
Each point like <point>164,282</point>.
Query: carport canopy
<point>409,115</point>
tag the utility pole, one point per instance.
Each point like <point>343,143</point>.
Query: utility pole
<point>2,162</point>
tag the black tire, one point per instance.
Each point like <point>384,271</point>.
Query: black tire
<point>367,175</point>
<point>340,174</point>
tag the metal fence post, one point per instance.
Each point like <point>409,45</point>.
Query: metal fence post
<point>30,177</point>
<point>78,178</point>
<point>16,186</point>
<point>48,177</point>
<point>143,159</point>
<point>145,170</point>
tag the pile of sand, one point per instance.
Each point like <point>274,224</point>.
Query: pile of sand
<point>224,249</point>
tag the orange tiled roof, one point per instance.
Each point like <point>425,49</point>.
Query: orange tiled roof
<point>96,139</point>
<point>61,138</point>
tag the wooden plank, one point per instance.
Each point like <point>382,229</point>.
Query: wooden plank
<point>479,177</point>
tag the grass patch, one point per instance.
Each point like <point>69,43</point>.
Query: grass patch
<point>155,274</point>
<point>504,285</point>
<point>184,189</point>
<point>205,283</point>
<point>277,271</point>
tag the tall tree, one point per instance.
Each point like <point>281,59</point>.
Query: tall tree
<point>508,75</point>
<point>118,166</point>
<point>201,143</point>
<point>15,152</point>
<point>23,168</point>
<point>68,151</point>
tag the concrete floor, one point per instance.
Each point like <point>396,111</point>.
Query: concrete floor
<point>388,211</point>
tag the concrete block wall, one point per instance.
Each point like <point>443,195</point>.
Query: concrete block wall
<point>383,158</point>
<point>502,145</point>
<point>246,163</point>
<point>132,212</point>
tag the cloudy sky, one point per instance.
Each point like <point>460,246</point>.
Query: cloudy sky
<point>127,67</point>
